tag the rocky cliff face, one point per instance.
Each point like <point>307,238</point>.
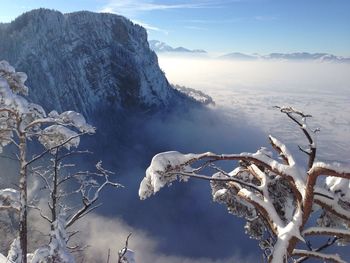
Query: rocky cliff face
<point>83,61</point>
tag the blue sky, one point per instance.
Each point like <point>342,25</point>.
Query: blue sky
<point>261,26</point>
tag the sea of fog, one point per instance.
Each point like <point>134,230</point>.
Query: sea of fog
<point>249,90</point>
<point>181,224</point>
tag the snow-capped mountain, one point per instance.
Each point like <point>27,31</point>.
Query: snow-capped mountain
<point>302,56</point>
<point>84,60</point>
<point>239,56</point>
<point>159,46</point>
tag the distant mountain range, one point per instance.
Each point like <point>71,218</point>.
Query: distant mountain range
<point>302,56</point>
<point>159,46</point>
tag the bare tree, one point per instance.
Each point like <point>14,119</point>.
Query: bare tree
<point>277,198</point>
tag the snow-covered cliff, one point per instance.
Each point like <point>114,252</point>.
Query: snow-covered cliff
<point>83,61</point>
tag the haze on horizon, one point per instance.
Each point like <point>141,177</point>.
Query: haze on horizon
<point>224,26</point>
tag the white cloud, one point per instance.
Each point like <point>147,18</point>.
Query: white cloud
<point>131,8</point>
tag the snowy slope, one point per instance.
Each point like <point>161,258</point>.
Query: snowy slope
<point>83,60</point>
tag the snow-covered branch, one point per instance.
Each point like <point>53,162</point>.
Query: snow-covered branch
<point>275,198</point>
<point>329,257</point>
<point>327,231</point>
<point>293,114</point>
<point>332,206</point>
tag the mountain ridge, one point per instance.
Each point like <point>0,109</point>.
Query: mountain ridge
<point>162,47</point>
<point>84,61</point>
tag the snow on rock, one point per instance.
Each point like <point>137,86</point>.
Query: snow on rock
<point>156,176</point>
<point>196,95</point>
<point>10,198</point>
<point>84,60</point>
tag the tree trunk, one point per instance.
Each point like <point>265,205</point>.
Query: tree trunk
<point>23,194</point>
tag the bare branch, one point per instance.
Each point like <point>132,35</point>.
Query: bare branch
<point>109,255</point>
<point>54,148</point>
<point>304,151</point>
<point>60,158</point>
<point>41,214</point>
<point>123,252</point>
<point>88,202</point>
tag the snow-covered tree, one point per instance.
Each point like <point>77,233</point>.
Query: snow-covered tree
<point>63,191</point>
<point>22,121</point>
<point>283,203</point>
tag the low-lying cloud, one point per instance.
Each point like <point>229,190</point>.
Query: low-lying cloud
<point>252,88</point>
<point>103,233</point>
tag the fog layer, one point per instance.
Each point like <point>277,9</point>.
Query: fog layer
<point>251,88</point>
